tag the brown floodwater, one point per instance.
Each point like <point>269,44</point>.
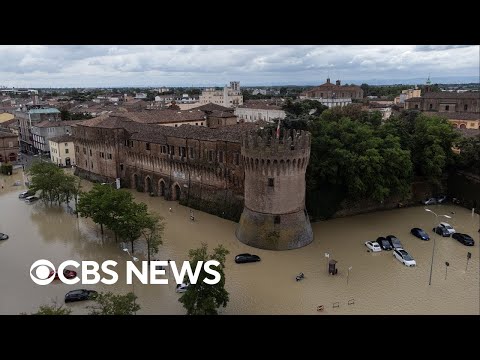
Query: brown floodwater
<point>377,284</point>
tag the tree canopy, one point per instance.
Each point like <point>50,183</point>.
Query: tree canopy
<point>108,303</point>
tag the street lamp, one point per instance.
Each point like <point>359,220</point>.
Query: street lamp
<point>135,259</point>
<point>434,237</point>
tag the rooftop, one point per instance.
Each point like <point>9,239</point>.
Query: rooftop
<point>48,124</point>
<point>4,134</point>
<point>469,133</point>
<point>212,107</point>
<point>44,111</point>
<point>451,95</point>
<point>260,104</point>
<point>61,138</point>
<point>158,116</point>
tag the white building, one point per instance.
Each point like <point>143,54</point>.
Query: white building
<point>62,150</point>
<point>140,96</point>
<point>254,110</point>
<point>230,96</point>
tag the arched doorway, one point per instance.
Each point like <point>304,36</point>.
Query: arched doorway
<point>135,181</point>
<point>148,184</point>
<point>463,126</point>
<point>68,162</point>
<point>12,157</point>
<point>161,187</point>
<point>176,193</point>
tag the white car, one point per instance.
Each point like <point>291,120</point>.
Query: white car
<point>373,245</point>
<point>448,227</point>
<point>404,257</point>
<point>181,288</point>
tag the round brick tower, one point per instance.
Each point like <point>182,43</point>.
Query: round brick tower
<point>274,216</point>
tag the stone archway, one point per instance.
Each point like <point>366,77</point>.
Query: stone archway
<point>161,188</point>
<point>463,126</point>
<point>148,185</point>
<point>135,181</point>
<point>176,192</point>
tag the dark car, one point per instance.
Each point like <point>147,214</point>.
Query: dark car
<point>440,230</point>
<point>3,236</point>
<point>80,295</point>
<point>393,240</point>
<point>384,243</point>
<point>430,201</point>
<point>464,239</point>
<point>442,199</point>
<point>419,233</point>
<point>246,258</point>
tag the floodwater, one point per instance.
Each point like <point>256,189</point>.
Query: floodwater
<point>377,284</point>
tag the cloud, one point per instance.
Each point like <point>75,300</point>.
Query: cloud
<point>207,65</point>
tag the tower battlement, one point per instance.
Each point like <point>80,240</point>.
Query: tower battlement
<point>290,144</point>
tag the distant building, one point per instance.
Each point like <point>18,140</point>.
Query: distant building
<point>140,96</point>
<point>62,150</point>
<point>230,96</point>
<point>385,108</point>
<point>254,110</point>
<point>8,147</point>
<point>30,117</point>
<point>332,95</point>
<point>407,94</point>
<point>259,92</point>
<point>45,130</point>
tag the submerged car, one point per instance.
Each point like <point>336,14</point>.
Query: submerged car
<point>419,233</point>
<point>430,201</point>
<point>442,199</point>
<point>3,236</point>
<point>80,295</point>
<point>31,199</point>
<point>181,288</point>
<point>404,257</point>
<point>26,194</point>
<point>384,243</point>
<point>396,244</point>
<point>246,258</point>
<point>373,246</point>
<point>447,226</point>
<point>441,231</point>
<point>69,274</point>
<point>464,239</point>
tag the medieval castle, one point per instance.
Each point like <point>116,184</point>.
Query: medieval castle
<point>239,172</point>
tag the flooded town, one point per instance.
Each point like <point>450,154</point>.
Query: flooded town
<point>377,283</point>
<point>349,192</point>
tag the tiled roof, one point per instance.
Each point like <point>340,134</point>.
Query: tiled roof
<point>452,95</point>
<point>62,138</point>
<point>4,134</point>
<point>158,116</point>
<point>461,116</point>
<point>260,104</point>
<point>107,122</point>
<point>221,114</point>
<point>468,133</point>
<point>212,107</point>
<point>47,124</point>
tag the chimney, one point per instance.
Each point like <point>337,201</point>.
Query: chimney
<point>337,82</point>
<point>328,80</point>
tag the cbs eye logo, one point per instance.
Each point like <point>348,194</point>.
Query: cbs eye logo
<point>41,275</point>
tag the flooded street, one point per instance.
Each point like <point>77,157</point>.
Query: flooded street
<point>377,284</point>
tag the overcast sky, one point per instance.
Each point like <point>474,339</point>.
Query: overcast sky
<point>204,65</point>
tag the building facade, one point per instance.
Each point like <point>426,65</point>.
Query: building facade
<point>8,147</point>
<point>462,109</point>
<point>332,95</point>
<point>407,94</point>
<point>230,96</point>
<point>43,131</point>
<point>226,171</point>
<point>28,118</point>
<point>62,150</point>
<point>255,110</point>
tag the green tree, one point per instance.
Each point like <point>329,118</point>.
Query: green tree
<point>152,228</point>
<point>201,298</point>
<point>108,303</point>
<point>469,158</point>
<point>52,310</point>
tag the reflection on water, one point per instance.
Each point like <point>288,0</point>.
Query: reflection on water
<point>378,284</point>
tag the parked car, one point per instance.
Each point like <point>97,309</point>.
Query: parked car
<point>80,295</point>
<point>442,199</point>
<point>447,226</point>
<point>419,233</point>
<point>3,236</point>
<point>26,194</point>
<point>181,288</point>
<point>430,201</point>
<point>246,258</point>
<point>31,199</point>
<point>373,246</point>
<point>404,257</point>
<point>464,239</point>
<point>441,231</point>
<point>69,274</point>
<point>396,244</point>
<point>384,243</point>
